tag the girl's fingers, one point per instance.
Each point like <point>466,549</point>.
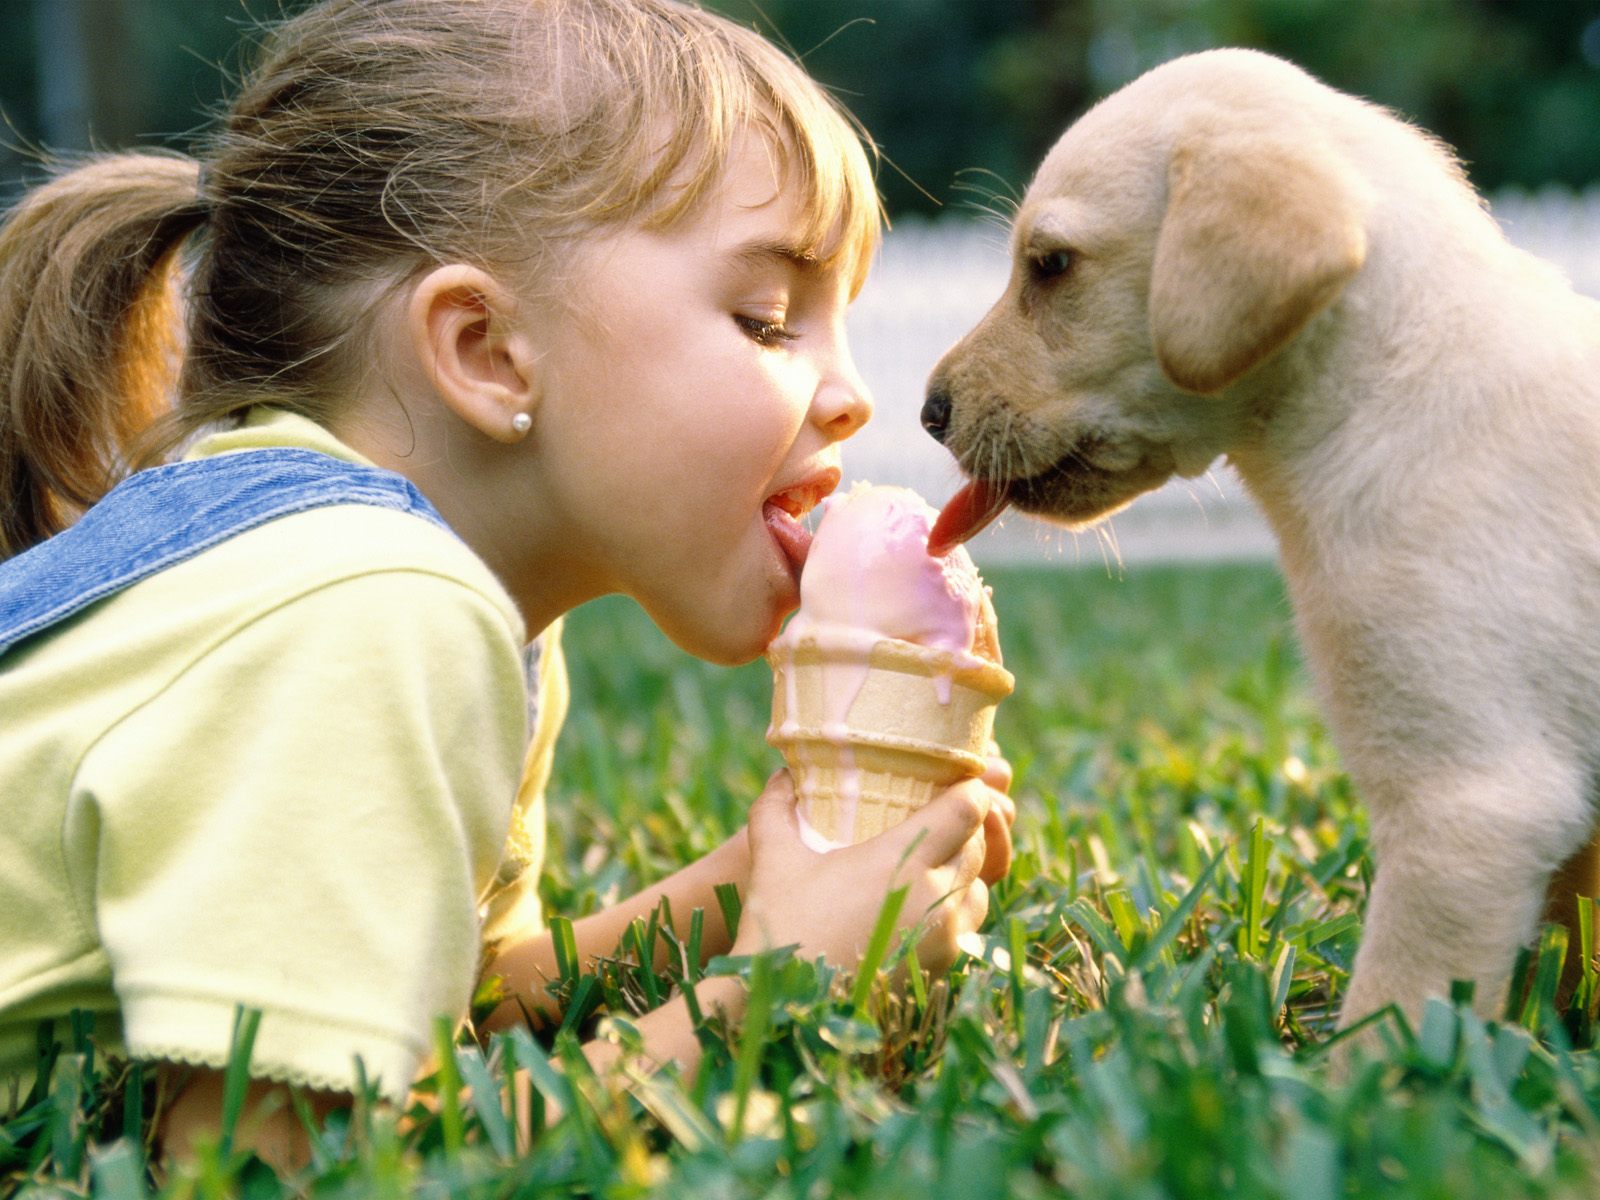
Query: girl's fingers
<point>942,829</point>
<point>975,906</point>
<point>997,770</point>
<point>1007,807</point>
<point>772,816</point>
<point>997,844</point>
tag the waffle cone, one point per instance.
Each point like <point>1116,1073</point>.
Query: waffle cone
<point>872,729</point>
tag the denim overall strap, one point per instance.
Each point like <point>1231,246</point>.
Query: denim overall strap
<point>158,518</point>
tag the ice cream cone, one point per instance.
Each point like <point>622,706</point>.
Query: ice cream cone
<point>873,728</point>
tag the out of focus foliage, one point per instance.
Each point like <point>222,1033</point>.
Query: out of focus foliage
<point>962,95</point>
<point>988,85</point>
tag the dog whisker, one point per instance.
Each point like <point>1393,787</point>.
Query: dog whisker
<point>1010,197</point>
<point>1108,535</point>
<point>1199,501</point>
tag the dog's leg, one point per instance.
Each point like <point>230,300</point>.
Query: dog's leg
<point>1463,865</point>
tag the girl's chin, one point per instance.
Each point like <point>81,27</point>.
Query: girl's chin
<point>729,618</point>
<point>736,643</point>
<point>724,652</point>
<point>728,639</point>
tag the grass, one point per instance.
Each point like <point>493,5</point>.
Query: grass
<point>1145,1015</point>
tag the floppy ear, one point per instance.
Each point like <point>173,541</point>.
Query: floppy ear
<point>1260,234</point>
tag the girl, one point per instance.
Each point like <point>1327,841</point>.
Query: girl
<point>490,307</point>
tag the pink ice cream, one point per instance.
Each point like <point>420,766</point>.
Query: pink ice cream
<point>869,571</point>
<point>885,680</point>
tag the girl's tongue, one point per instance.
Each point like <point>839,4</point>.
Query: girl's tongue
<point>793,538</point>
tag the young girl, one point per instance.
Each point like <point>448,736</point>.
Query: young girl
<point>489,307</point>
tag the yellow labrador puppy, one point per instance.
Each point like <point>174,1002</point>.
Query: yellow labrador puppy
<point>1228,258</point>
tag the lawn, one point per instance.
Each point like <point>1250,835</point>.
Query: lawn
<point>1146,1014</point>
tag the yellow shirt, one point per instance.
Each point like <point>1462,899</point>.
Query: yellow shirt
<point>280,774</point>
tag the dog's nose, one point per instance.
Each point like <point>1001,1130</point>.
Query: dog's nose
<point>936,412</point>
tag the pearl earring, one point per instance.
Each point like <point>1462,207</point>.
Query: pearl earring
<point>521,423</point>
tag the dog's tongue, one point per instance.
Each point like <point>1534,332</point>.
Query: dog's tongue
<point>968,511</point>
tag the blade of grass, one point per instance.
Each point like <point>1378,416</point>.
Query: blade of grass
<point>694,969</point>
<point>1255,881</point>
<point>118,1171</point>
<point>1084,914</point>
<point>666,1101</point>
<point>246,1023</point>
<point>1583,999</point>
<point>917,978</point>
<point>449,1086</point>
<point>1018,947</point>
<point>133,1107</point>
<point>485,1100</point>
<point>1552,954</point>
<point>1174,921</point>
<point>47,1050</point>
<point>548,1083</point>
<point>565,943</point>
<point>757,1013</point>
<point>1282,977</point>
<point>1124,916</point>
<point>877,950</point>
<point>643,938</point>
<point>584,998</point>
<point>67,1126</point>
<point>1517,995</point>
<point>732,909</point>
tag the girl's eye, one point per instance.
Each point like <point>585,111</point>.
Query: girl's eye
<point>765,333</point>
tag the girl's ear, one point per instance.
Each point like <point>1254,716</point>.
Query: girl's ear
<point>472,348</point>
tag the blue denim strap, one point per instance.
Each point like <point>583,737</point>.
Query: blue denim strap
<point>158,518</point>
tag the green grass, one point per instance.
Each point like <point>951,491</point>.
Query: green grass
<point>1147,1015</point>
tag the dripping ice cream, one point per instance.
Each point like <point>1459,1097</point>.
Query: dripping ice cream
<point>885,681</point>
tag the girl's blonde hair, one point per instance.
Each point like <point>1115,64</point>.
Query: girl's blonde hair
<point>373,139</point>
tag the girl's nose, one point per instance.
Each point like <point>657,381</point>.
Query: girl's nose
<point>842,404</point>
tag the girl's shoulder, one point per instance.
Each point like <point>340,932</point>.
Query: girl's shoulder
<point>346,572</point>
<point>322,545</point>
<point>295,555</point>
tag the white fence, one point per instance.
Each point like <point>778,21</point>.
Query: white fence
<point>931,284</point>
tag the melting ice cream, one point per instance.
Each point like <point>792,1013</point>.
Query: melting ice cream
<point>869,571</point>
<point>886,679</point>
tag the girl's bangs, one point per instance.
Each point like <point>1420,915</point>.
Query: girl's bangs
<point>816,145</point>
<point>844,216</point>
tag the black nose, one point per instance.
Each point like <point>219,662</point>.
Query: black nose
<point>936,412</point>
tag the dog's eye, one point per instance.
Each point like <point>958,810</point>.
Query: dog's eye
<point>1051,264</point>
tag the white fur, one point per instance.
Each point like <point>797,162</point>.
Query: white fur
<point>1426,445</point>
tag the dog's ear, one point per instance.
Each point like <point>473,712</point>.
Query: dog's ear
<point>1260,234</point>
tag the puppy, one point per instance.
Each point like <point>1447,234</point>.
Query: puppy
<point>1228,258</point>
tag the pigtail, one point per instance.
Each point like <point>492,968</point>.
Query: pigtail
<point>89,335</point>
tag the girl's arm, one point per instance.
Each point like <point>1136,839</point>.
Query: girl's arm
<point>526,966</point>
<point>825,904</point>
<point>268,1122</point>
<point>935,854</point>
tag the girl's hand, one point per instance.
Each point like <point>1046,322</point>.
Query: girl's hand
<point>1002,813</point>
<point>829,903</point>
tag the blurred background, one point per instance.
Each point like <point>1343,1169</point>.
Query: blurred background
<point>963,98</point>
